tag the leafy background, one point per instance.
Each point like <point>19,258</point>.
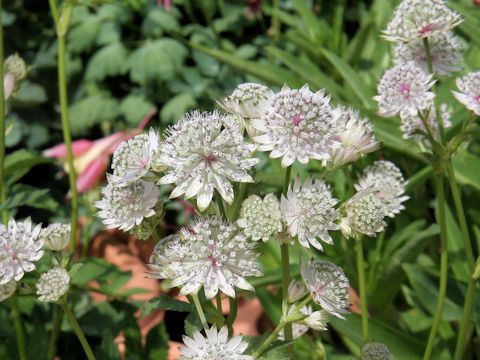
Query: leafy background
<point>126,57</point>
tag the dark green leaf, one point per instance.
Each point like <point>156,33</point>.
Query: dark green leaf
<point>166,303</point>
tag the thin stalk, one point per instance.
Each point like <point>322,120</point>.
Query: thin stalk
<point>221,207</point>
<point>465,321</point>
<point>57,322</point>
<point>232,314</point>
<point>17,318</point>
<point>235,209</point>
<point>305,301</point>
<point>3,195</point>
<point>268,340</point>
<point>362,286</point>
<point>78,331</point>
<point>275,20</point>
<point>200,313</point>
<point>440,190</point>
<point>220,309</point>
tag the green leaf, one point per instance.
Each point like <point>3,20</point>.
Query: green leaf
<point>166,303</point>
<point>29,95</point>
<point>206,64</point>
<point>467,168</point>
<point>134,108</point>
<point>82,36</point>
<point>157,61</point>
<point>25,195</point>
<point>159,21</point>
<point>91,111</point>
<point>156,346</point>
<point>176,107</point>
<point>18,163</point>
<point>108,61</point>
<point>270,303</point>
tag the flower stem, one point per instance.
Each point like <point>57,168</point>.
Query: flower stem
<point>234,210</point>
<point>2,124</point>
<point>57,322</point>
<point>78,331</point>
<point>269,340</point>
<point>220,309</point>
<point>17,317</point>
<point>200,313</point>
<point>362,286</point>
<point>464,322</point>
<point>441,219</point>
<point>232,314</point>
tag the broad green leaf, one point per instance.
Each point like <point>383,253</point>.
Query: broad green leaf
<point>25,195</point>
<point>18,163</point>
<point>91,111</point>
<point>156,346</point>
<point>271,304</point>
<point>208,65</point>
<point>108,61</point>
<point>159,21</point>
<point>82,36</point>
<point>166,303</point>
<point>110,32</point>
<point>134,108</point>
<point>176,107</point>
<point>29,94</point>
<point>467,169</point>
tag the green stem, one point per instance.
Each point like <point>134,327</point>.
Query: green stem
<point>441,220</point>
<point>362,286</point>
<point>235,209</point>
<point>220,309</point>
<point>275,20</point>
<point>17,318</point>
<point>221,207</point>
<point>3,195</point>
<point>268,340</point>
<point>78,331</point>
<point>200,313</point>
<point>465,321</point>
<point>305,301</point>
<point>232,314</point>
<point>57,322</point>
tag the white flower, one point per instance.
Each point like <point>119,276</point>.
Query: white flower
<point>296,291</point>
<point>418,19</point>
<point>248,100</point>
<point>309,212</point>
<point>203,152</point>
<point>469,94</point>
<point>404,90</point>
<point>146,228</point>
<point>445,51</point>
<point>131,160</point>
<point>52,285</point>
<point>214,346</point>
<point>7,290</point>
<point>124,207</point>
<point>56,236</point>
<point>356,138</point>
<point>297,125</point>
<point>260,219</point>
<point>412,125</point>
<point>327,284</point>
<point>210,253</point>
<point>298,328</point>
<point>374,350</point>
<point>387,183</point>
<point>364,214</point>
<point>318,320</point>
<point>20,246</point>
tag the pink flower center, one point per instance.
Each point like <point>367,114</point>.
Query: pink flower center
<point>209,158</point>
<point>404,89</point>
<point>477,98</point>
<point>296,120</point>
<point>11,252</point>
<point>426,29</point>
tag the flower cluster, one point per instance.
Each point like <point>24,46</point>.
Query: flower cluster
<point>374,350</point>
<point>469,94</point>
<point>52,285</point>
<point>260,219</point>
<point>56,236</point>
<point>15,70</point>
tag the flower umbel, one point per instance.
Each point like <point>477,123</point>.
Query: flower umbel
<point>374,350</point>
<point>53,284</point>
<point>214,346</point>
<point>211,253</point>
<point>309,212</point>
<point>327,284</point>
<point>469,94</point>
<point>297,125</point>
<point>260,219</point>
<point>56,236</point>
<point>248,100</point>
<point>20,246</point>
<point>364,214</point>
<point>205,152</point>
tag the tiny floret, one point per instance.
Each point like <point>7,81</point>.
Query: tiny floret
<point>52,285</point>
<point>20,246</point>
<point>297,125</point>
<point>374,350</point>
<point>215,345</point>
<point>365,214</point>
<point>328,285</point>
<point>309,212</point>
<point>318,320</point>
<point>404,90</point>
<point>418,19</point>
<point>248,100</point>
<point>123,207</point>
<point>469,94</point>
<point>7,290</point>
<point>211,254</point>
<point>203,152</point>
<point>260,219</point>
<point>56,236</point>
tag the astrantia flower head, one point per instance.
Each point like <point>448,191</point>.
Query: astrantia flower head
<point>328,285</point>
<point>53,284</point>
<point>7,290</point>
<point>418,19</point>
<point>387,183</point>
<point>413,127</point>
<point>123,207</point>
<point>445,51</point>
<point>374,350</point>
<point>214,346</point>
<point>297,125</point>
<point>356,138</point>
<point>131,160</point>
<point>469,94</point>
<point>309,212</point>
<point>205,152</point>
<point>212,254</point>
<point>404,90</point>
<point>365,214</point>
<point>260,219</point>
<point>20,246</point>
<point>247,100</point>
<point>56,236</point>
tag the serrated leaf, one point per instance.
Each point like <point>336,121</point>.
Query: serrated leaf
<point>176,107</point>
<point>166,303</point>
<point>134,108</point>
<point>109,32</point>
<point>91,111</point>
<point>82,36</point>
<point>159,21</point>
<point>108,61</point>
<point>156,61</point>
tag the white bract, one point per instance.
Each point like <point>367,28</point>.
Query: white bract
<point>297,125</point>
<point>469,94</point>
<point>318,320</point>
<point>404,90</point>
<point>260,219</point>
<point>123,207</point>
<point>418,19</point>
<point>296,291</point>
<point>211,254</point>
<point>53,284</point>
<point>20,246</point>
<point>56,236</point>
<point>309,212</point>
<point>205,152</point>
<point>327,284</point>
<point>215,345</point>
